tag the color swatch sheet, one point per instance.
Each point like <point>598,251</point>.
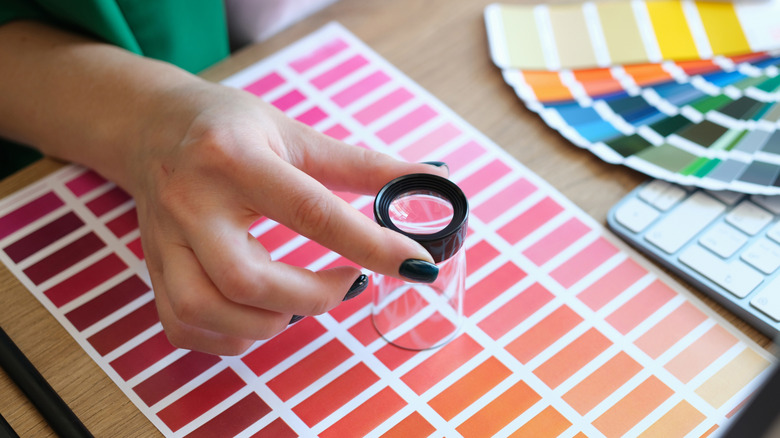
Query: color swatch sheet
<point>600,34</point>
<point>567,333</point>
<point>710,122</point>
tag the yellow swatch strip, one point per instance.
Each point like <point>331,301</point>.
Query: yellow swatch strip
<point>719,388</point>
<point>524,47</point>
<point>723,28</point>
<point>621,33</point>
<point>671,30</point>
<point>575,49</point>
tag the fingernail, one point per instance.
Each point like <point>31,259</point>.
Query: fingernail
<point>295,319</point>
<point>438,164</point>
<point>419,270</point>
<point>357,287</point>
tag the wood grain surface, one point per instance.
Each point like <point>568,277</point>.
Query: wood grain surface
<point>441,45</point>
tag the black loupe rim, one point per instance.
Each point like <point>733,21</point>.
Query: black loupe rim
<point>444,243</point>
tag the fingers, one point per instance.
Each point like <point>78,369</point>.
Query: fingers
<point>307,207</point>
<point>344,167</point>
<point>238,278</point>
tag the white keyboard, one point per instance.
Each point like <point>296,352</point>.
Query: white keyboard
<point>726,244</point>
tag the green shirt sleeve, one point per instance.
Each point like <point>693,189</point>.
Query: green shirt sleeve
<point>191,34</point>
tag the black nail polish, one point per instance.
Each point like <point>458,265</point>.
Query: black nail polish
<point>296,318</point>
<point>419,270</point>
<point>357,287</point>
<point>438,164</point>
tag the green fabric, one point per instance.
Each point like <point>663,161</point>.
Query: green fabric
<point>191,34</point>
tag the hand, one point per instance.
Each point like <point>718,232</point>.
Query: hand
<point>218,160</point>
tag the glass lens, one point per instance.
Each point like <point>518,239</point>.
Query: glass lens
<point>421,212</point>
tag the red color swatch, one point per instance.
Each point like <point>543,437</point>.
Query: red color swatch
<point>490,287</point>
<point>174,376</point>
<point>142,356</point>
<point>583,263</point>
<point>126,328</point>
<point>280,347</point>
<point>559,239</point>
<point>107,303</point>
<point>335,394</point>
<point>530,220</point>
<point>515,311</point>
<point>234,419</point>
<point>366,417</point>
<point>43,237</point>
<point>108,201</point>
<point>612,284</point>
<point>64,258</point>
<point>201,399</point>
<point>85,280</point>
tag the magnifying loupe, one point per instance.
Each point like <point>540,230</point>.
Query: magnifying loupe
<point>434,212</point>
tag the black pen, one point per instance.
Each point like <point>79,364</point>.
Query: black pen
<point>59,416</point>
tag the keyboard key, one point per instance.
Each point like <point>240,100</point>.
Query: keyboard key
<point>749,217</point>
<point>680,225</point>
<point>662,194</point>
<point>726,196</point>
<point>768,299</point>
<point>723,239</point>
<point>736,277</point>
<point>771,203</point>
<point>763,254</point>
<point>636,215</point>
<point>774,232</point>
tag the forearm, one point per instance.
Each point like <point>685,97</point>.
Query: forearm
<point>85,101</point>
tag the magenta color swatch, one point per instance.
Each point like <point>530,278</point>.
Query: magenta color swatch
<point>108,201</point>
<point>406,124</point>
<point>328,78</point>
<point>383,106</point>
<point>326,51</point>
<point>289,100</point>
<point>43,237</point>
<point>29,212</point>
<point>337,131</point>
<point>312,117</point>
<point>487,175</point>
<point>360,88</point>
<point>503,200</point>
<point>430,142</point>
<point>265,84</point>
<point>85,183</point>
<point>464,155</point>
<point>124,223</point>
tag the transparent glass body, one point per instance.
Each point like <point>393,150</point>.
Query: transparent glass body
<point>419,316</point>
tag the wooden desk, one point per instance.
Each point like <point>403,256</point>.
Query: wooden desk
<point>440,44</point>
